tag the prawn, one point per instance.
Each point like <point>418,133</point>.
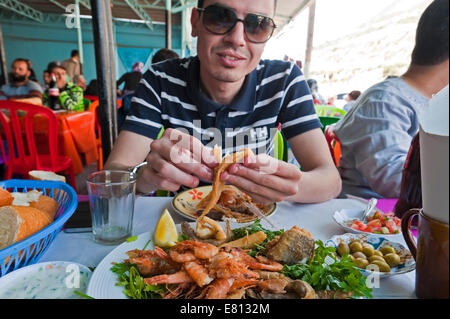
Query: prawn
<point>219,288</point>
<point>151,262</point>
<point>207,228</point>
<point>198,273</point>
<point>260,262</point>
<point>186,251</point>
<point>176,278</point>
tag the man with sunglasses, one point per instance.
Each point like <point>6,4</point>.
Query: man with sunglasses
<point>227,96</point>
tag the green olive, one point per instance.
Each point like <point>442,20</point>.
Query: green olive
<point>361,263</point>
<point>355,247</point>
<point>378,253</point>
<point>368,250</point>
<point>383,267</point>
<point>392,260</point>
<point>376,257</point>
<point>359,254</point>
<point>343,249</point>
<point>387,250</point>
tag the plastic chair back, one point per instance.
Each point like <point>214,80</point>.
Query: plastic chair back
<point>19,133</point>
<point>333,144</point>
<point>330,111</point>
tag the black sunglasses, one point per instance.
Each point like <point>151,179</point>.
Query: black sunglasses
<point>221,20</point>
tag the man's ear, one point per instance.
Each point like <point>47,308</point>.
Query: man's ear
<point>195,20</point>
<point>28,73</point>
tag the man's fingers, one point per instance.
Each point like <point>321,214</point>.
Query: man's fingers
<point>171,172</point>
<point>278,184</point>
<point>181,158</point>
<point>252,188</point>
<point>200,153</point>
<point>269,165</point>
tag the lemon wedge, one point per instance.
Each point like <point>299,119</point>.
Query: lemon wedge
<point>166,234</point>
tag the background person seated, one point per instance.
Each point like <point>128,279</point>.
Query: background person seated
<point>21,87</point>
<point>70,95</point>
<point>376,134</point>
<point>351,99</point>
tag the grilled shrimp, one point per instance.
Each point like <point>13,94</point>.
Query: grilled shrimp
<point>186,251</point>
<point>198,273</point>
<point>176,278</point>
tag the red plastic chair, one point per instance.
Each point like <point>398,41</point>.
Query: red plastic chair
<point>333,143</point>
<point>98,129</point>
<point>22,148</point>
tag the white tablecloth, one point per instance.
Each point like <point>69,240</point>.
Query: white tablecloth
<point>316,218</point>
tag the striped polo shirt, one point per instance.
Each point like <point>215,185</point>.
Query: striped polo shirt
<point>274,93</point>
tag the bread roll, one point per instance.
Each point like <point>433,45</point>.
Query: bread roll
<point>6,198</point>
<point>36,200</point>
<point>46,176</point>
<point>19,222</point>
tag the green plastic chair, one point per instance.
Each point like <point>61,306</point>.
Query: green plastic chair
<point>329,111</point>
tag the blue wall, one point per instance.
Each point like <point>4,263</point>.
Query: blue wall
<point>52,40</point>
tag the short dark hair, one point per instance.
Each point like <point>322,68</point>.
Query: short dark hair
<point>74,53</point>
<point>432,35</point>
<point>354,95</point>
<point>200,4</point>
<point>163,55</point>
<point>22,60</point>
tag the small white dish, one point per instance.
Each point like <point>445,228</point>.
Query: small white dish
<point>49,280</point>
<point>344,218</point>
<point>406,265</point>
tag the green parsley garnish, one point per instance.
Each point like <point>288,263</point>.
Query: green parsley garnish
<point>133,283</point>
<point>327,272</point>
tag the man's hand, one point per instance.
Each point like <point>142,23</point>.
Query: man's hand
<point>264,178</point>
<point>175,160</point>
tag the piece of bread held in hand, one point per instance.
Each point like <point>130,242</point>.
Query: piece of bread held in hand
<point>20,222</point>
<point>5,197</point>
<point>36,200</point>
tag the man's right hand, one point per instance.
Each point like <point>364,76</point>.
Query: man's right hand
<point>177,159</point>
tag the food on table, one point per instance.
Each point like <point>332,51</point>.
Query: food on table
<point>194,269</point>
<point>20,222</point>
<point>378,223</point>
<point>165,234</point>
<point>381,260</point>
<point>247,242</point>
<point>226,200</point>
<point>233,204</point>
<point>47,281</point>
<point>190,233</point>
<point>293,246</point>
<point>36,200</point>
<point>6,198</point>
<point>46,176</point>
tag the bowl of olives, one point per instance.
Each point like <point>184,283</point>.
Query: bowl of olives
<point>374,254</point>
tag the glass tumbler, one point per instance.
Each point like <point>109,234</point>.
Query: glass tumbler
<point>111,200</point>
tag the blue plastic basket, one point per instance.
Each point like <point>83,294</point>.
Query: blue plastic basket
<point>31,249</point>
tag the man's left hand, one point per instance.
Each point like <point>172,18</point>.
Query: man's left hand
<point>264,178</point>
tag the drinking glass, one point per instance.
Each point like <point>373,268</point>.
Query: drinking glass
<point>111,200</point>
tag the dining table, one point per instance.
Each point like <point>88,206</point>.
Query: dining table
<point>316,218</point>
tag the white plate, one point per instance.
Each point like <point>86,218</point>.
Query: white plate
<point>343,216</point>
<point>185,203</point>
<point>103,281</point>
<point>406,265</point>
<point>33,277</point>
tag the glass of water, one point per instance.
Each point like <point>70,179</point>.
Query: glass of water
<point>111,200</point>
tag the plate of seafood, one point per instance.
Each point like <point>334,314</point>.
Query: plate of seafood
<point>220,201</point>
<point>374,253</point>
<point>250,262</point>
<point>233,204</point>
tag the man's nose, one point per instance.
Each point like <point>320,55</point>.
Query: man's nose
<point>237,35</point>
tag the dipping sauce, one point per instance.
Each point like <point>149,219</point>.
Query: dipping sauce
<point>46,281</point>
